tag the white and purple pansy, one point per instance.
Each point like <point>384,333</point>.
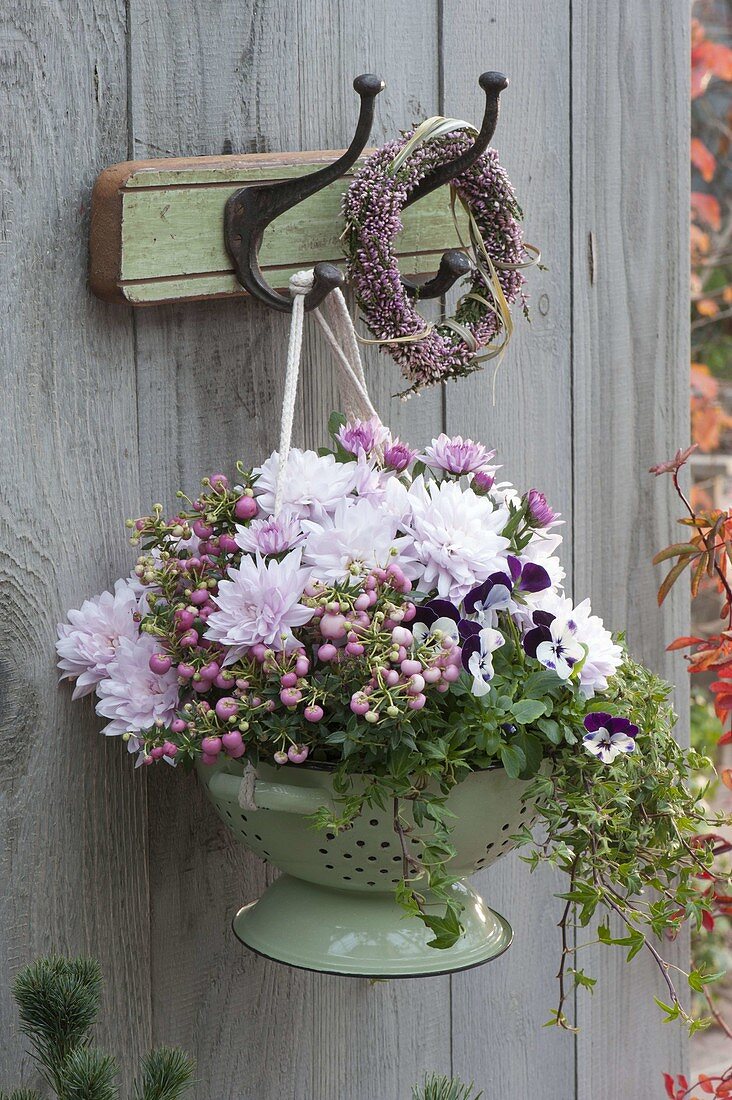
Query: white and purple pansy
<point>608,736</point>
<point>436,618</point>
<point>553,643</point>
<point>477,656</point>
<point>497,592</point>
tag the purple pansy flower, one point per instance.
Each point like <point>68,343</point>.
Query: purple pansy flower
<point>608,736</point>
<point>552,642</point>
<point>477,657</point>
<point>539,512</point>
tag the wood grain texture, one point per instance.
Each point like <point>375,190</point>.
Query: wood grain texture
<point>498,1010</point>
<point>631,396</point>
<point>265,76</point>
<point>72,814</point>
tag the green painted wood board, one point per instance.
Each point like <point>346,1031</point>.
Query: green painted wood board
<point>158,233</point>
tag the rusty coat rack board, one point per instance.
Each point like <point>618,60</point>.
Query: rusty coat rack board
<point>182,229</point>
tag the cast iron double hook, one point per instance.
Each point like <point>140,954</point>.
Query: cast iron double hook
<point>251,209</point>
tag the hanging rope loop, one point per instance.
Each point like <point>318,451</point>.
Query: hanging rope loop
<point>341,338</point>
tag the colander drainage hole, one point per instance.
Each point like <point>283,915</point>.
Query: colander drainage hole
<point>257,836</point>
<point>506,826</point>
<point>396,859</point>
<point>385,844</point>
<point>372,859</point>
<point>323,851</point>
<point>346,878</point>
<point>244,817</point>
<point>524,809</point>
<point>359,869</point>
<point>373,821</point>
<point>360,843</point>
<point>347,855</point>
<point>383,870</point>
<point>329,867</point>
<point>371,884</point>
<point>330,836</point>
<point>489,846</point>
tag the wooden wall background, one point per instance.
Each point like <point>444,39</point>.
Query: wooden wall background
<point>103,411</point>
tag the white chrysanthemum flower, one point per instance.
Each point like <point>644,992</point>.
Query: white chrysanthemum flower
<point>134,697</point>
<point>455,538</point>
<point>88,642</point>
<point>260,602</point>
<point>358,537</point>
<point>604,656</point>
<point>313,483</point>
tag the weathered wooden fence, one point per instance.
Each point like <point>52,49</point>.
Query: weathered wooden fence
<point>103,411</point>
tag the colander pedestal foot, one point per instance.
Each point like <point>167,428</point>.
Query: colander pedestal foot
<point>363,934</point>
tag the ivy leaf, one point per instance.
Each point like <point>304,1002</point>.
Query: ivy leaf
<point>447,929</point>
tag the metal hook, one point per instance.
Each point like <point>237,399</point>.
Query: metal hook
<point>454,263</point>
<point>250,210</point>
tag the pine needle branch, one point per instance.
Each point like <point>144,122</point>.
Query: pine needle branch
<point>88,1074</point>
<point>58,1001</point>
<point>437,1087</point>
<point>166,1072</point>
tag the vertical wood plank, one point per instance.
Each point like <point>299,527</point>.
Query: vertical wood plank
<point>72,815</point>
<point>630,162</point>
<point>499,1009</point>
<point>262,76</point>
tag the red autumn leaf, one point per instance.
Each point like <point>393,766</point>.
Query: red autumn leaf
<point>706,1084</point>
<point>726,738</point>
<point>708,921</point>
<point>670,1086</point>
<point>703,160</point>
<point>682,643</point>
<point>707,209</point>
<point>726,776</point>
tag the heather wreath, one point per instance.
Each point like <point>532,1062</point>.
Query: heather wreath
<point>403,618</point>
<point>372,208</point>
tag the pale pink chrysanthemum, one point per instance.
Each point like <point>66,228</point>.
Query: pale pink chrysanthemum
<point>132,696</point>
<point>457,455</point>
<point>260,602</point>
<point>88,642</point>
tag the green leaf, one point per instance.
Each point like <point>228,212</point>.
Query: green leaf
<point>678,549</point>
<point>336,420</point>
<point>526,711</point>
<point>513,760</point>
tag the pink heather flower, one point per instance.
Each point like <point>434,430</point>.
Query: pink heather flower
<point>88,642</point>
<point>362,436</point>
<point>398,456</point>
<point>539,512</point>
<point>260,603</point>
<point>132,696</point>
<point>359,537</point>
<point>269,536</point>
<point>313,484</point>
<point>455,537</point>
<point>457,455</point>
